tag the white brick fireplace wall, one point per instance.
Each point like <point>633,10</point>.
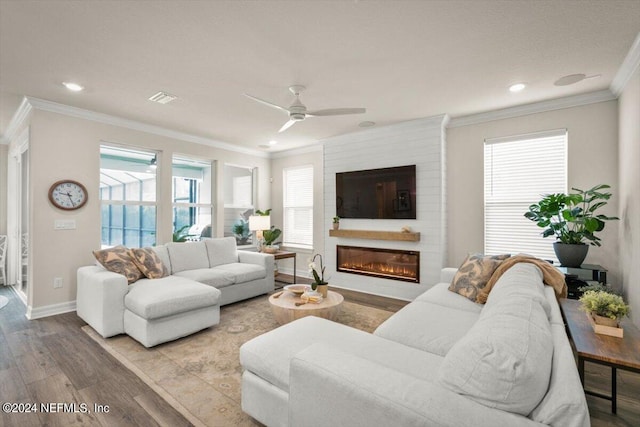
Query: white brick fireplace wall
<point>420,142</point>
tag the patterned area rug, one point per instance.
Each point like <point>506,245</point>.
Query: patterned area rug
<point>200,375</point>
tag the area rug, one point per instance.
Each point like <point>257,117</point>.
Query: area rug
<point>200,375</point>
<point>3,301</point>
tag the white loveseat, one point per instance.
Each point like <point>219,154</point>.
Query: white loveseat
<point>442,360</point>
<point>202,277</point>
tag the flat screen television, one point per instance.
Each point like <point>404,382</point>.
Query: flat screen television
<point>387,193</point>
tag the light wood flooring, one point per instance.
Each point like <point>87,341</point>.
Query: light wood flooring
<point>51,360</point>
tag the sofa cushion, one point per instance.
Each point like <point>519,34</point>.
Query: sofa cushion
<point>429,327</point>
<point>119,260</point>
<point>474,273</point>
<point>149,263</point>
<point>221,251</point>
<point>504,361</point>
<point>209,276</point>
<point>243,272</point>
<point>187,256</point>
<point>269,355</point>
<point>523,279</point>
<point>153,299</point>
<point>163,254</point>
<point>441,295</point>
<point>561,405</point>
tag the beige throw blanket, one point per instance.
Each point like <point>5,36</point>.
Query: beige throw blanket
<point>550,276</point>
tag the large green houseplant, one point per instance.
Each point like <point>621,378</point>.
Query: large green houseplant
<point>572,219</point>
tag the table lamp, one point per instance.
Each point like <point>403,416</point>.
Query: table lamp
<point>259,223</point>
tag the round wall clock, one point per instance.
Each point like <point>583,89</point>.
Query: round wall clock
<point>68,195</point>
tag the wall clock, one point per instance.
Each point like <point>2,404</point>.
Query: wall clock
<point>68,195</point>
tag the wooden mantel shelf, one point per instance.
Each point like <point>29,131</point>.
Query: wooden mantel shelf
<point>376,235</point>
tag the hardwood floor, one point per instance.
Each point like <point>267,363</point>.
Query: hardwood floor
<point>51,360</point>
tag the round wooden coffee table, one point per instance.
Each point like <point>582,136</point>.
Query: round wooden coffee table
<point>285,310</point>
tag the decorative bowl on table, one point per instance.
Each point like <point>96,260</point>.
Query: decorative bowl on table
<point>297,289</point>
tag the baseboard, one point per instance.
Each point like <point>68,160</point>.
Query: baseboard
<point>50,310</point>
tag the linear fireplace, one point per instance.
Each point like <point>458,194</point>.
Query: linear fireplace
<point>392,264</point>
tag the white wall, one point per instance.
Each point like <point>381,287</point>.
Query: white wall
<point>592,159</point>
<point>311,156</point>
<point>418,142</point>
<point>61,147</point>
<point>629,121</point>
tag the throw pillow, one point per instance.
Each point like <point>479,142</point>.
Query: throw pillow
<point>118,260</point>
<point>149,263</point>
<point>474,273</point>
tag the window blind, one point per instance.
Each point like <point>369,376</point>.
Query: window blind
<point>298,206</point>
<point>517,172</point>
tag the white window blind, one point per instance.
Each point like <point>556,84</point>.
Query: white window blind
<point>518,171</point>
<point>298,206</point>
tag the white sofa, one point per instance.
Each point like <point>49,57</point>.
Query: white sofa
<point>203,276</point>
<point>442,360</point>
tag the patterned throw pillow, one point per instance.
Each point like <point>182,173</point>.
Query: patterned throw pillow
<point>118,260</point>
<point>474,273</point>
<point>149,263</point>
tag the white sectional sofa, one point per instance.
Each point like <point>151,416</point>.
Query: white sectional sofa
<point>442,360</point>
<point>202,277</point>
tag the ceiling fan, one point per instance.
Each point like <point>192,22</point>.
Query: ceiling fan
<point>298,111</point>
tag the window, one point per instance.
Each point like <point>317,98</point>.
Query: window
<point>191,197</point>
<point>517,172</point>
<point>128,197</point>
<point>239,194</point>
<point>298,206</point>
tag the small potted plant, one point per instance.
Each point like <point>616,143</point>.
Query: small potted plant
<point>336,222</point>
<point>572,219</point>
<point>605,308</point>
<point>318,285</point>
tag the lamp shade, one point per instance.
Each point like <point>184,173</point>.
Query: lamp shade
<point>259,222</point>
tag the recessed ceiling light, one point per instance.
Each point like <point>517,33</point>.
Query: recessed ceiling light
<point>517,87</point>
<point>366,124</point>
<point>74,87</point>
<point>273,142</point>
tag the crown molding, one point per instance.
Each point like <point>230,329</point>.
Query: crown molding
<point>81,113</point>
<point>21,114</point>
<point>626,70</point>
<point>536,107</point>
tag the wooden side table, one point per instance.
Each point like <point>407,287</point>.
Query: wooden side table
<point>286,254</point>
<point>617,353</point>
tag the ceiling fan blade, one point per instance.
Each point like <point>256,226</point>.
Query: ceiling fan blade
<point>337,111</point>
<point>267,103</point>
<point>287,125</point>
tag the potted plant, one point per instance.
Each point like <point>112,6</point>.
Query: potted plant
<point>318,285</point>
<point>336,222</point>
<point>572,219</point>
<point>241,231</point>
<point>270,236</point>
<point>606,308</point>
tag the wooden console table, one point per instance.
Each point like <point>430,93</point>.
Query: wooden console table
<point>617,353</point>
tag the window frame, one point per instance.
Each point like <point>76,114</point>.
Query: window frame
<point>293,244</point>
<point>496,209</point>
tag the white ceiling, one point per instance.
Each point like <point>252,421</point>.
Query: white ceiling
<point>401,60</point>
